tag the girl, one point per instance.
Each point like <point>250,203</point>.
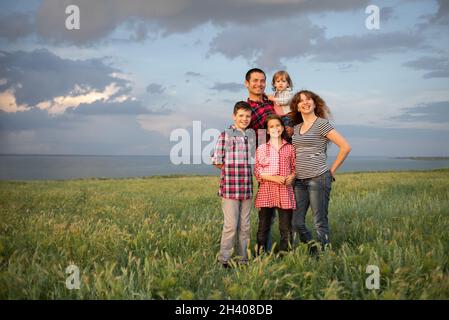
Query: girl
<point>282,85</point>
<point>275,171</point>
<point>311,134</point>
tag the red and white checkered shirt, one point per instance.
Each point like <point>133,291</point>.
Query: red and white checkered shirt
<point>233,150</point>
<point>270,161</point>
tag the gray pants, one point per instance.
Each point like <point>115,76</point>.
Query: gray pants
<point>236,225</point>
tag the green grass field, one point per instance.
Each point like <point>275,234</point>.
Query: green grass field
<point>158,238</point>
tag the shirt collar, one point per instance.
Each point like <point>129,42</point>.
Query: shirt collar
<point>234,129</point>
<point>264,100</point>
<point>283,142</point>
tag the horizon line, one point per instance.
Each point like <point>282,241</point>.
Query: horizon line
<point>167,155</point>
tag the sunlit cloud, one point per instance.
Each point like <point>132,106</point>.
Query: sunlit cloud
<point>8,102</point>
<point>80,96</point>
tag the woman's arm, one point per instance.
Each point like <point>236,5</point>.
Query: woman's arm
<point>292,177</point>
<point>344,147</point>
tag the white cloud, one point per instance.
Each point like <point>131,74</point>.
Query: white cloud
<point>120,75</point>
<point>8,102</point>
<point>121,99</point>
<point>80,96</point>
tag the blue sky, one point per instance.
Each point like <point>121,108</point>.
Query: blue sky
<point>137,70</point>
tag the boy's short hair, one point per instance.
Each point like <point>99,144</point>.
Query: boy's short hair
<point>251,71</point>
<point>242,105</point>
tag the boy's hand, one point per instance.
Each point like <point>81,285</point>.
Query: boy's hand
<point>271,98</point>
<point>219,166</point>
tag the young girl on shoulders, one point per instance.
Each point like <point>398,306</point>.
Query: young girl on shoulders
<point>283,86</point>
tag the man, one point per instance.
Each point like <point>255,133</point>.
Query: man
<point>255,82</point>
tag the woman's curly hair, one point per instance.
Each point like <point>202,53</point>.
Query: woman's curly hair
<point>321,109</point>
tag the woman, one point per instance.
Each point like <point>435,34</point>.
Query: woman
<point>311,135</point>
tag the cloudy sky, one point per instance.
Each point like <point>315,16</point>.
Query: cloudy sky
<point>136,70</point>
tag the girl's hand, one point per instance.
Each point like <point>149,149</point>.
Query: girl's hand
<point>275,179</point>
<point>271,98</point>
<point>290,179</point>
<point>278,179</point>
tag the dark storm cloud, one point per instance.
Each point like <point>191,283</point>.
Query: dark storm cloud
<point>442,15</point>
<point>16,25</point>
<point>364,48</point>
<point>155,88</point>
<point>436,112</point>
<point>308,41</point>
<point>268,48</point>
<point>436,67</point>
<point>101,17</point>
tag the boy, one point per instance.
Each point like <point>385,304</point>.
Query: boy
<point>232,156</point>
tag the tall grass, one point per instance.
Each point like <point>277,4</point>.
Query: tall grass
<point>158,238</point>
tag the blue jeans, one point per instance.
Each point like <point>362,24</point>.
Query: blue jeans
<point>313,192</point>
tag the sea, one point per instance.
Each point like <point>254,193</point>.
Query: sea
<point>64,167</point>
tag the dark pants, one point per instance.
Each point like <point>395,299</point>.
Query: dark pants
<point>313,192</point>
<point>269,243</point>
<point>285,227</point>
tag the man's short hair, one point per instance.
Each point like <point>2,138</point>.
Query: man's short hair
<point>242,105</point>
<point>248,74</point>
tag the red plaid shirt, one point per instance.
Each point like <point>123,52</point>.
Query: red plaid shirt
<point>233,151</point>
<point>270,161</point>
<point>261,109</point>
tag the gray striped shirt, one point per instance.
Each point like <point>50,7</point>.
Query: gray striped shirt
<point>311,148</point>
